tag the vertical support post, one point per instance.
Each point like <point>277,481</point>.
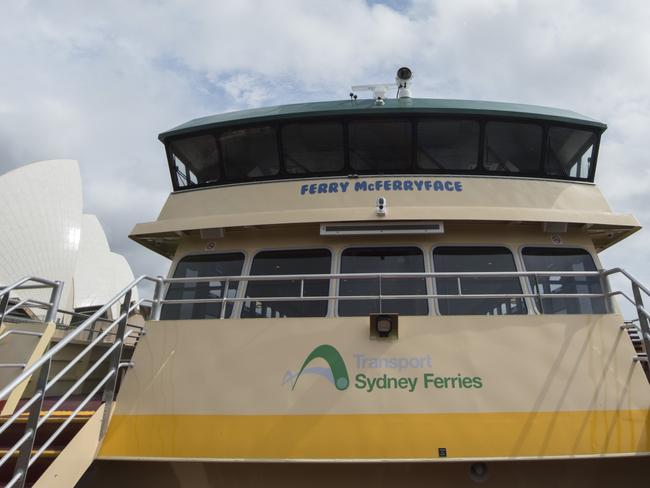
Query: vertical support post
<point>55,297</point>
<point>607,290</point>
<point>643,320</point>
<point>539,295</point>
<point>380,294</point>
<point>156,307</point>
<point>113,363</point>
<point>224,298</point>
<point>25,452</point>
<point>3,306</point>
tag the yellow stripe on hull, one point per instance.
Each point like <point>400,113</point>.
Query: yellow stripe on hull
<point>378,436</point>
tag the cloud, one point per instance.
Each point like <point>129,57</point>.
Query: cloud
<point>97,81</point>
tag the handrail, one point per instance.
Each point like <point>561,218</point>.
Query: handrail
<point>4,393</point>
<point>41,283</point>
<point>111,356</point>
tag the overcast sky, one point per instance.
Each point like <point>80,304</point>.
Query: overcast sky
<point>98,81</point>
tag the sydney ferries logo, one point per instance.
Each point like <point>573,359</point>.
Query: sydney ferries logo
<point>373,373</point>
<point>335,372</point>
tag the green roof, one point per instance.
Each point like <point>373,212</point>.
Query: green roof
<point>393,106</point>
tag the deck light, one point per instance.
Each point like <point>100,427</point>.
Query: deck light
<point>383,325</point>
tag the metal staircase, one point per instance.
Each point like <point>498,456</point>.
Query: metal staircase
<point>43,422</point>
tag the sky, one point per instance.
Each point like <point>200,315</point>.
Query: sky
<point>98,81</point>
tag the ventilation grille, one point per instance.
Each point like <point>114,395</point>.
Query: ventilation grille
<point>374,228</point>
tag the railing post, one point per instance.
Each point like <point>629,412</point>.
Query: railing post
<point>156,307</point>
<point>114,362</point>
<point>222,312</point>
<point>380,295</point>
<point>643,320</point>
<point>607,290</point>
<point>25,452</point>
<point>3,305</point>
<point>55,297</point>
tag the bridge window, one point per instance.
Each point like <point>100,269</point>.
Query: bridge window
<point>250,153</point>
<point>513,147</point>
<point>205,265</point>
<point>300,262</point>
<point>196,160</point>
<point>560,260</point>
<point>452,259</point>
<point>380,145</point>
<point>570,152</point>
<point>448,145</point>
<point>313,148</point>
<point>382,260</point>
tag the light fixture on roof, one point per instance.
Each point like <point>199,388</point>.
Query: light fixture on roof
<point>402,83</point>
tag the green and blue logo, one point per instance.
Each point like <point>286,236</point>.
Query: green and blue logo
<point>336,372</point>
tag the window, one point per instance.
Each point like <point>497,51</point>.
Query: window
<point>559,260</point>
<point>250,153</point>
<point>382,260</point>
<point>313,148</point>
<point>445,145</point>
<point>196,160</point>
<point>513,147</point>
<point>477,260</point>
<point>570,152</point>
<point>206,265</point>
<point>301,262</point>
<point>380,145</point>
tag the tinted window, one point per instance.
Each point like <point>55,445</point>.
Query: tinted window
<point>558,260</point>
<point>474,260</point>
<point>569,152</point>
<point>448,144</point>
<point>317,261</point>
<point>313,148</point>
<point>203,266</point>
<point>196,160</point>
<point>380,145</point>
<point>250,153</point>
<point>382,260</point>
<point>513,147</point>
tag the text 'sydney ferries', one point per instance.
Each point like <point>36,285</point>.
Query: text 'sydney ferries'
<point>381,185</point>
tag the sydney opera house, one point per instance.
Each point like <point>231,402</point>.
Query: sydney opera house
<point>45,233</point>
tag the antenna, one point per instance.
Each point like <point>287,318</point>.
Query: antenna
<point>402,83</point>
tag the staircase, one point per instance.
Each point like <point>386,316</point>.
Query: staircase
<point>60,392</point>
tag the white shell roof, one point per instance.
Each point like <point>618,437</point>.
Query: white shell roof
<point>44,234</point>
<point>40,211</point>
<point>100,274</point>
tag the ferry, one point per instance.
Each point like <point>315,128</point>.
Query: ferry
<point>386,291</point>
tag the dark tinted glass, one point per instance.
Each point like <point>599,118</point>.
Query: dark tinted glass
<point>202,266</point>
<point>448,144</point>
<point>313,148</point>
<point>383,260</point>
<point>558,259</point>
<point>312,261</point>
<point>196,160</point>
<point>250,153</point>
<point>380,145</point>
<point>474,260</point>
<point>569,152</point>
<point>513,147</point>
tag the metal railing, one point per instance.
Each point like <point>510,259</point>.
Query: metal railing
<point>31,283</point>
<point>114,333</point>
<point>111,359</point>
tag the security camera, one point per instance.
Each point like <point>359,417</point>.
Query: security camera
<point>403,80</point>
<point>403,74</point>
<point>382,206</point>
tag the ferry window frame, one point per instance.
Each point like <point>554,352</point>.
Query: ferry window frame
<point>248,267</point>
<point>414,118</point>
<point>431,309</point>
<point>518,265</point>
<point>530,289</point>
<point>243,272</point>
